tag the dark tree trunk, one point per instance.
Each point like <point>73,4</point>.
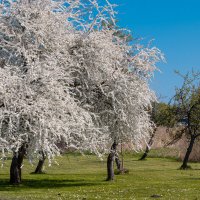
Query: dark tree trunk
<point>117,160</point>
<point>113,156</point>
<point>148,146</point>
<point>16,165</point>
<point>188,152</point>
<point>15,171</point>
<point>145,153</point>
<point>110,169</point>
<point>39,167</point>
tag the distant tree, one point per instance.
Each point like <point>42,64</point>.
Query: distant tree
<point>162,114</point>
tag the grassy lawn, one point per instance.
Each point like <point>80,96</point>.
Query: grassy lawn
<point>83,178</point>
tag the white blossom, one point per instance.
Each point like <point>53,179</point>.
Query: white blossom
<point>65,76</point>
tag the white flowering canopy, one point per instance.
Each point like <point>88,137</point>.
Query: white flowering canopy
<point>66,76</point>
<point>36,106</point>
<point>112,82</point>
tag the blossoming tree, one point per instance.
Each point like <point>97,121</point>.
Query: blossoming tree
<point>111,80</point>
<point>37,109</point>
<point>65,75</point>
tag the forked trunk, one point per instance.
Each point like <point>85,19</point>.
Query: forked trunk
<point>117,160</point>
<point>188,152</point>
<point>39,168</point>
<point>16,165</point>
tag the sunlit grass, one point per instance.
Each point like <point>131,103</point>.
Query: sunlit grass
<point>83,177</point>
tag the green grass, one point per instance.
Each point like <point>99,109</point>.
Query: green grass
<point>83,178</point>
<point>164,153</point>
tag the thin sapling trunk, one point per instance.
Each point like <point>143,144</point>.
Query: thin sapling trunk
<point>122,167</point>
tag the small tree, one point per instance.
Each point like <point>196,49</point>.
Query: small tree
<point>187,103</point>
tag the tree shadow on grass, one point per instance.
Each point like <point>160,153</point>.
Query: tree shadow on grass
<point>45,184</point>
<point>194,169</point>
<point>189,179</point>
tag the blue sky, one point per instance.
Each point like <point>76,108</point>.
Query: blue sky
<point>175,26</point>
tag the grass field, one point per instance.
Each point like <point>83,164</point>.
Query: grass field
<point>83,178</point>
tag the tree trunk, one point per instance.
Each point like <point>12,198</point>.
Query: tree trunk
<point>187,155</point>
<point>145,153</point>
<point>110,169</point>
<point>39,167</point>
<point>117,160</point>
<point>15,171</point>
<point>148,146</point>
<point>16,165</point>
